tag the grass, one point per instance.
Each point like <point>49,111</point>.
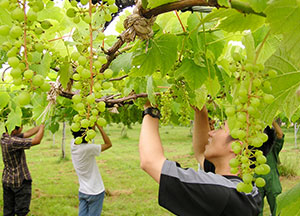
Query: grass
<point>130,191</point>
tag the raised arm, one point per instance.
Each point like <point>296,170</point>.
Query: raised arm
<point>278,130</point>
<point>200,134</point>
<point>107,143</point>
<point>39,135</point>
<point>31,132</point>
<point>150,147</point>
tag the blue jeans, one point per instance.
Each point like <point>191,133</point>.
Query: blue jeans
<point>90,205</point>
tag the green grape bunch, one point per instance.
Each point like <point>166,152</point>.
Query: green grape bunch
<point>166,99</point>
<point>251,90</point>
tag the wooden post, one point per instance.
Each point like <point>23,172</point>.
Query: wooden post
<point>63,140</point>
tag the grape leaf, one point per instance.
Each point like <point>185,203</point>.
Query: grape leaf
<point>65,73</point>
<point>162,51</point>
<point>258,5</point>
<point>225,3</point>
<point>122,62</point>
<point>150,90</point>
<point>284,18</point>
<point>39,103</point>
<point>289,201</point>
<point>284,86</point>
<point>156,3</point>
<point>213,86</point>
<point>248,42</point>
<point>14,118</point>
<point>5,98</point>
<point>233,21</point>
<point>194,74</point>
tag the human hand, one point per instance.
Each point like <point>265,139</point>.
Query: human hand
<point>147,104</point>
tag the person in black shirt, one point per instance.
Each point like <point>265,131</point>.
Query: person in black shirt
<point>187,192</point>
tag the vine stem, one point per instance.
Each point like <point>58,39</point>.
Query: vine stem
<point>25,34</point>
<point>59,38</point>
<point>182,26</point>
<point>205,49</point>
<point>261,46</point>
<point>91,47</point>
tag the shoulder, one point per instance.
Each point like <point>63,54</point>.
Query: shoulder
<point>172,169</point>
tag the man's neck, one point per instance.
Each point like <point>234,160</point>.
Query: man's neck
<point>222,167</point>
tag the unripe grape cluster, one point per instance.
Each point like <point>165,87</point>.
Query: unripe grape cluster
<point>251,91</point>
<point>165,106</point>
<point>176,95</point>
<point>22,51</point>
<point>87,78</point>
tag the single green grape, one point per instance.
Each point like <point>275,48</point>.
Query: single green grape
<point>71,12</point>
<point>108,73</point>
<point>107,17</point>
<point>102,59</point>
<point>87,19</point>
<point>38,80</point>
<point>45,87</point>
<point>80,107</point>
<point>113,8</point>
<point>268,98</point>
<point>101,36</point>
<point>261,159</point>
<point>24,98</point>
<point>101,106</point>
<point>4,30</point>
<point>85,123</point>
<point>75,127</point>
<point>82,60</point>
<point>260,182</point>
<point>45,24</point>
<point>101,122</point>
<point>91,99</point>
<point>75,56</point>
<point>85,74</point>
<point>91,134</point>
<point>13,62</point>
<point>84,2</point>
<point>78,140</point>
<point>28,74</point>
<point>76,19</point>
<point>76,99</point>
<point>31,15</point>
<point>247,178</point>
<point>17,14</point>
<point>236,57</point>
<point>234,162</point>
<point>15,32</point>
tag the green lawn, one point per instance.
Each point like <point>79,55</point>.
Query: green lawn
<point>130,190</point>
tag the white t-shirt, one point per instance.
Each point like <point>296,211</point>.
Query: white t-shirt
<point>84,162</point>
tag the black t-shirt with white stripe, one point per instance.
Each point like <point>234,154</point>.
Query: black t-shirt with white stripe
<point>186,192</point>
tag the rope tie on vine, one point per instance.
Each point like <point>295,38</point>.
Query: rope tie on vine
<point>137,25</point>
<point>55,90</point>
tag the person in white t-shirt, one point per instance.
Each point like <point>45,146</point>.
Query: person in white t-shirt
<point>91,187</point>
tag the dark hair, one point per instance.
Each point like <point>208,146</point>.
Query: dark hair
<point>80,133</point>
<point>16,128</point>
<point>266,146</point>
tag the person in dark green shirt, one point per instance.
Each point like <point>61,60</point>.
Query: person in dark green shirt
<point>272,148</point>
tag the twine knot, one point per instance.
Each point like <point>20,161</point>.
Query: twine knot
<point>137,25</point>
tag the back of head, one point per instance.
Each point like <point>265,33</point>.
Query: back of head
<point>265,148</point>
<point>80,133</point>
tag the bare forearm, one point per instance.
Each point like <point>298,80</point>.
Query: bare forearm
<point>104,135</point>
<point>31,132</point>
<point>39,136</point>
<point>278,130</point>
<point>200,133</point>
<point>150,148</point>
